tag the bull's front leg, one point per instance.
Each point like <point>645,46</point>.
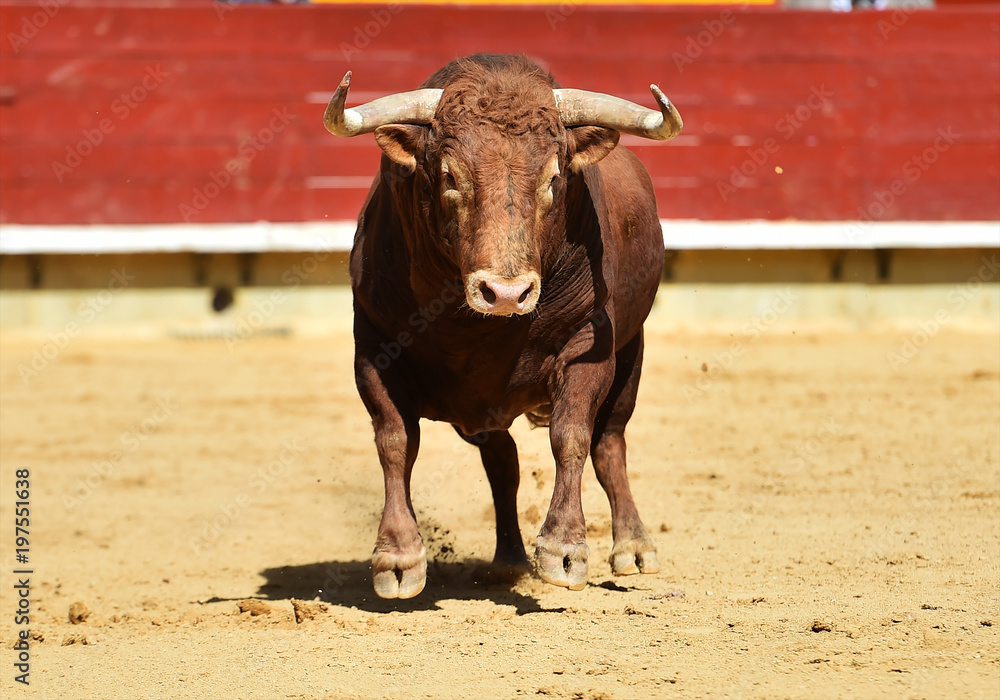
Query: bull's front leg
<point>577,389</point>
<point>399,562</point>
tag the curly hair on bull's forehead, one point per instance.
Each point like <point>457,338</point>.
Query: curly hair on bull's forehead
<point>514,95</point>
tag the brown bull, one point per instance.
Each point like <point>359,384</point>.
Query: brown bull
<point>504,263</point>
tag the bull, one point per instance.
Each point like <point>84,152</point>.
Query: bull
<point>505,260</point>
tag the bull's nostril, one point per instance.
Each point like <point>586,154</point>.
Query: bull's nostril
<point>525,294</point>
<point>489,296</point>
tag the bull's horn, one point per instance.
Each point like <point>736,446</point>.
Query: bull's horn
<point>415,107</point>
<point>582,108</point>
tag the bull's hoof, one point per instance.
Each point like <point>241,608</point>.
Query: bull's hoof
<point>634,556</point>
<point>562,564</point>
<point>399,575</point>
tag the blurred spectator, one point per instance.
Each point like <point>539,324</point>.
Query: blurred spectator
<point>849,5</point>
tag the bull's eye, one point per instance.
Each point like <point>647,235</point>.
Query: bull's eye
<point>546,193</point>
<point>449,181</point>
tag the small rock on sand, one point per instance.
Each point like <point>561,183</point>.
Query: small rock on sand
<point>254,607</point>
<point>78,613</point>
<point>305,610</point>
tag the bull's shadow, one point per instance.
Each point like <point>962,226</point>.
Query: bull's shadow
<point>349,584</point>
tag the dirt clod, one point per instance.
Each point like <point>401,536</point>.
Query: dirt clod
<point>305,610</point>
<point>821,626</point>
<point>254,607</point>
<point>78,613</point>
<point>632,610</point>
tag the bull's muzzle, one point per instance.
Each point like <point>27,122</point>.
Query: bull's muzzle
<point>493,295</point>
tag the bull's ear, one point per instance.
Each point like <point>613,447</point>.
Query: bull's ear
<point>401,142</point>
<point>588,144</point>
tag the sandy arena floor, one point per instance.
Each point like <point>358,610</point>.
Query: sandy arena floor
<point>827,527</point>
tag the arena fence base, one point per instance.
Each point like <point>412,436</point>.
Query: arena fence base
<point>215,277</point>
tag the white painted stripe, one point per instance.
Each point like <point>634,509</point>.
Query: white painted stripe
<point>678,182</point>
<point>777,235</point>
<point>17,239</point>
<point>637,141</point>
<point>321,97</point>
<point>177,238</point>
<point>339,182</point>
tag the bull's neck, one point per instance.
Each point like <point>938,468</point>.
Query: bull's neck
<point>572,266</point>
<point>434,278</point>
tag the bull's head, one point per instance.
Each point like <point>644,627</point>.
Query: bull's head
<point>491,200</point>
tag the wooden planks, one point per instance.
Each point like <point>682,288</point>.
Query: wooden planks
<point>122,114</point>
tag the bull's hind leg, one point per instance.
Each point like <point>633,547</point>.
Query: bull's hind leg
<point>499,454</point>
<point>633,550</point>
<point>399,562</point>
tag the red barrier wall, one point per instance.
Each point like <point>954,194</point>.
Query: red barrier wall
<point>894,116</point>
